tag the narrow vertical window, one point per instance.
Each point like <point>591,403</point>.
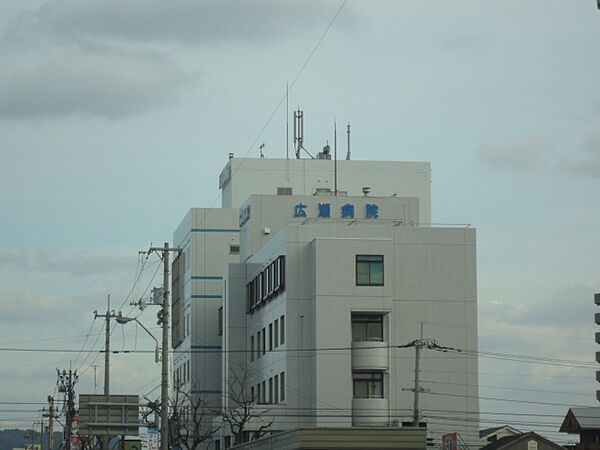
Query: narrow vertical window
<point>264,341</point>
<point>276,389</point>
<point>271,390</point>
<point>258,393</point>
<point>270,337</point>
<point>276,334</point>
<point>220,325</point>
<point>252,394</point>
<point>282,386</point>
<point>252,348</point>
<point>282,329</point>
<point>258,352</point>
<point>264,392</point>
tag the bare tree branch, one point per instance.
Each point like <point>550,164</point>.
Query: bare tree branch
<point>241,409</point>
<point>186,420</point>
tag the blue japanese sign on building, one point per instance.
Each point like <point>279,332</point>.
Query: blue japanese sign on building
<point>346,211</point>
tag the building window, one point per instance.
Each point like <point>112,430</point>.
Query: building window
<point>282,386</point>
<point>368,384</point>
<point>367,328</point>
<point>264,392</point>
<point>369,270</point>
<point>271,390</point>
<point>252,397</point>
<point>276,389</point>
<point>276,334</point>
<point>258,352</point>
<point>284,191</point>
<point>258,393</point>
<point>252,348</point>
<point>227,441</point>
<point>234,249</point>
<point>220,325</point>
<point>264,339</point>
<point>282,330</point>
<point>270,337</point>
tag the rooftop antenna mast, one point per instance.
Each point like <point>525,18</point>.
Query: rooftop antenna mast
<point>348,136</point>
<point>299,133</point>
<point>335,190</point>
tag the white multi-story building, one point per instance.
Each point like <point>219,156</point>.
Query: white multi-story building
<point>305,285</point>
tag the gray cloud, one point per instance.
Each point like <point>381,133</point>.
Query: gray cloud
<point>587,160</point>
<point>463,43</point>
<point>101,83</point>
<point>520,153</point>
<point>40,307</point>
<point>568,308</point>
<point>188,21</point>
<point>76,264</point>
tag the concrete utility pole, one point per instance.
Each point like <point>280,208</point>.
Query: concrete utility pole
<point>51,422</point>
<point>419,344</point>
<point>164,320</point>
<point>66,385</point>
<point>109,315</point>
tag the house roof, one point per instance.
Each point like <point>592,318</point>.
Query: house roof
<point>581,419</point>
<point>488,431</point>
<point>508,440</point>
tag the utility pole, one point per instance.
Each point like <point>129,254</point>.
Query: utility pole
<point>164,320</point>
<point>419,344</point>
<point>51,422</point>
<point>109,315</point>
<point>66,385</point>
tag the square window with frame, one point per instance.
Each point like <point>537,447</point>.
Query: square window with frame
<point>367,328</point>
<point>369,270</point>
<point>367,384</point>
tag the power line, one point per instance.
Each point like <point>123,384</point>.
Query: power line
<point>508,388</point>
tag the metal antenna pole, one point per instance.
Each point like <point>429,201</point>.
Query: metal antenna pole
<point>348,133</point>
<point>335,158</point>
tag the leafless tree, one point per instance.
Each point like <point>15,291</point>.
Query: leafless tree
<point>186,420</point>
<point>241,409</point>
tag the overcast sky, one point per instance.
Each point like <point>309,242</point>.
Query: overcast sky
<point>116,118</point>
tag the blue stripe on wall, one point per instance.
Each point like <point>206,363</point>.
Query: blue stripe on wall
<point>214,230</point>
<point>207,278</point>
<point>207,296</point>
<point>204,347</point>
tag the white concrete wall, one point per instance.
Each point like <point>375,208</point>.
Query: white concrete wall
<point>385,178</point>
<point>430,277</point>
<point>205,235</point>
<point>272,213</point>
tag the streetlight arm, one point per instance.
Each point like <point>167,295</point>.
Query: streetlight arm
<point>123,320</point>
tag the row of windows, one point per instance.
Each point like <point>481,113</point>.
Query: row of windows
<point>266,285</point>
<point>182,375</point>
<point>271,392</point>
<point>276,337</point>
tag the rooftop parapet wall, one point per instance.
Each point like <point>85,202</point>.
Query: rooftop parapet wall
<point>244,176</point>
